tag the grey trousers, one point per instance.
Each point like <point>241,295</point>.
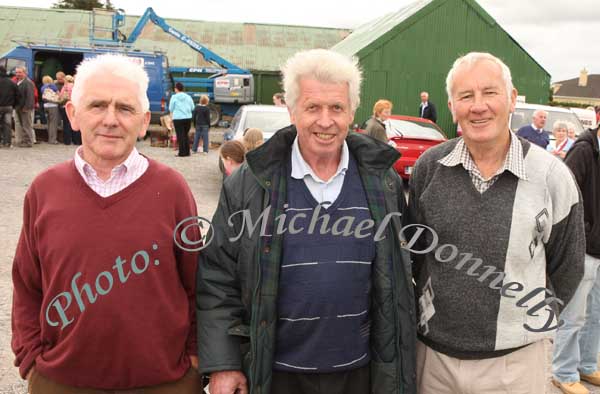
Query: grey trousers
<point>24,127</point>
<point>53,118</point>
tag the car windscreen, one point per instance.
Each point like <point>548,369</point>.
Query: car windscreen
<point>408,129</point>
<point>268,122</point>
<point>524,116</point>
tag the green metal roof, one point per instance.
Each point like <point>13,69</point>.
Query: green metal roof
<point>373,34</point>
<point>259,47</point>
<point>366,34</point>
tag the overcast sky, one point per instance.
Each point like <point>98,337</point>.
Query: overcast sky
<point>563,36</point>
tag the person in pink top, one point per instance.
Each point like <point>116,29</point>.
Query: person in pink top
<point>69,134</point>
<point>104,287</point>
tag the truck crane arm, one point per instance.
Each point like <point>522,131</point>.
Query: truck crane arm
<point>210,56</point>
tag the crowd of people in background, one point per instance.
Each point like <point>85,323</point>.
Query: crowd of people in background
<point>19,100</point>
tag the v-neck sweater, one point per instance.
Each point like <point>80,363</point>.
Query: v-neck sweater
<point>103,297</point>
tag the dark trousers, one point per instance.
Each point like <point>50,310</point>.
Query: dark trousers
<point>182,128</point>
<point>6,125</point>
<point>356,381</point>
<point>67,131</point>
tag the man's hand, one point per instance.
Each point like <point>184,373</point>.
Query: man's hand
<point>29,373</point>
<point>194,361</point>
<point>228,382</point>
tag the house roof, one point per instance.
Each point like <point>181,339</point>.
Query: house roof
<point>253,46</point>
<point>571,88</point>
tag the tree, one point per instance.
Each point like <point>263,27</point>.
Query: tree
<point>83,4</point>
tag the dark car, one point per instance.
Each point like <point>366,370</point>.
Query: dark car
<point>411,137</point>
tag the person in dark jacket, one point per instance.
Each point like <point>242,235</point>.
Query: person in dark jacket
<point>201,117</point>
<point>9,98</point>
<point>319,295</point>
<point>375,126</point>
<point>576,344</point>
<point>427,108</point>
<point>24,110</point>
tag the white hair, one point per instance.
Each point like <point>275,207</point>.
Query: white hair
<point>472,58</point>
<point>560,124</point>
<point>324,66</point>
<point>115,65</point>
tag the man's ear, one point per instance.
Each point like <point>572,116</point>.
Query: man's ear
<point>70,109</point>
<point>513,99</point>
<point>451,111</point>
<point>291,112</point>
<point>147,117</point>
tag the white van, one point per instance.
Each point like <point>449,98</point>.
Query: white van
<point>523,116</point>
<point>586,116</point>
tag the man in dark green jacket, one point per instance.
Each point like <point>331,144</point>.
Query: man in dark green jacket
<point>283,308</point>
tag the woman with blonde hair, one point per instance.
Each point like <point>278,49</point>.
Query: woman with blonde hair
<point>50,99</point>
<point>201,117</point>
<point>253,138</point>
<point>69,135</point>
<point>375,126</point>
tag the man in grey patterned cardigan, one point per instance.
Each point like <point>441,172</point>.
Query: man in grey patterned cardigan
<point>504,245</point>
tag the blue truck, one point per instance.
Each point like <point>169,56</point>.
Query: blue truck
<point>227,85</point>
<point>45,59</point>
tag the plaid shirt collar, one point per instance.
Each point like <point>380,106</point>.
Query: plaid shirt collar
<point>514,161</point>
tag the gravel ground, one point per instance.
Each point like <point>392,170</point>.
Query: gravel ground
<point>20,166</point>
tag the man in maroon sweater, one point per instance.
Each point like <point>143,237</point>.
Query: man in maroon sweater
<point>103,296</point>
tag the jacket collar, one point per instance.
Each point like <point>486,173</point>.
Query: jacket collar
<point>590,136</point>
<point>370,154</point>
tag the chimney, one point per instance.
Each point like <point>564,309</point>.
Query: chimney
<point>583,76</point>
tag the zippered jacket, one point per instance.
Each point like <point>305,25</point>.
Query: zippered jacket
<point>238,274</point>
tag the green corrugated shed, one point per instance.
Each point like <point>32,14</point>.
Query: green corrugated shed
<point>412,50</point>
<point>261,48</point>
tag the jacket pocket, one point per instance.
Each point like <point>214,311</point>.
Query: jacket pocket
<point>592,238</point>
<point>384,378</point>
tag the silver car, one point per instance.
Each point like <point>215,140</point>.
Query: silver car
<point>267,118</point>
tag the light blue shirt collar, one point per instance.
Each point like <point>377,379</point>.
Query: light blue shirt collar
<point>301,169</point>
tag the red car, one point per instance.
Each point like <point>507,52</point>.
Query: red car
<point>411,136</point>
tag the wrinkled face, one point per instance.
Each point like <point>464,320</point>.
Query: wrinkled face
<point>560,133</point>
<point>424,97</point>
<point>385,114</point>
<point>20,74</point>
<point>480,103</point>
<point>539,119</point>
<point>110,118</point>
<point>322,116</point>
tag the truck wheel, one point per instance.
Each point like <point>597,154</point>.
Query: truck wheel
<point>215,114</point>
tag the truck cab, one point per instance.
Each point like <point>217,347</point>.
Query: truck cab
<point>43,60</point>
